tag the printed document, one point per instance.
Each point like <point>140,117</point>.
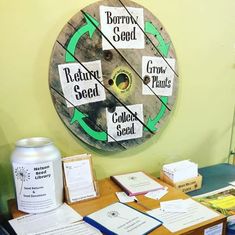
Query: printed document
<point>79,181</point>
<point>33,223</point>
<point>136,183</point>
<point>80,228</point>
<point>174,221</point>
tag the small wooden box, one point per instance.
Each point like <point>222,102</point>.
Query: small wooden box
<point>185,185</point>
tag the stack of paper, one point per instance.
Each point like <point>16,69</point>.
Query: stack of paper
<point>182,170</point>
<point>63,215</point>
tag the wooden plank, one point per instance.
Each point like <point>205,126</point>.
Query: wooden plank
<point>90,49</point>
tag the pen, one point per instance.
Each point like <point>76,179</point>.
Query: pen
<point>140,203</point>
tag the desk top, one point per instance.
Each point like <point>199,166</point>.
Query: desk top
<point>107,190</point>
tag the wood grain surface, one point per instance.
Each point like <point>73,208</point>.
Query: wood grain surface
<point>90,49</point>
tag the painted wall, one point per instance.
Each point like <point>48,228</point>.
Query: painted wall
<point>200,127</point>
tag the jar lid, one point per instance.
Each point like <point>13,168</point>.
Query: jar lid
<point>33,142</point>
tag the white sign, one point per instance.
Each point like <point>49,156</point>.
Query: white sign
<point>123,125</point>
<point>161,76</point>
<point>80,86</point>
<point>121,29</point>
<point>35,187</point>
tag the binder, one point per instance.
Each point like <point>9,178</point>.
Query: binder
<point>119,218</point>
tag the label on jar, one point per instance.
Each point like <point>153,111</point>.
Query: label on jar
<point>35,187</point>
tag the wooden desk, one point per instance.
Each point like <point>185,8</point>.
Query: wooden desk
<point>107,196</point>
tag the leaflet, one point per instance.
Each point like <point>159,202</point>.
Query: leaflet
<point>33,223</point>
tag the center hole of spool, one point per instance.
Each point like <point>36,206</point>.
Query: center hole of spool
<point>122,81</point>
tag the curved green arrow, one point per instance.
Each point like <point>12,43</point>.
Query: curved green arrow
<point>162,46</point>
<point>88,27</point>
<point>69,57</point>
<point>79,116</point>
<point>151,123</point>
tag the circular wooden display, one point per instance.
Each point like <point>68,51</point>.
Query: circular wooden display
<point>121,82</point>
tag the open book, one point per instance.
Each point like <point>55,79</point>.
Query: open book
<point>119,218</point>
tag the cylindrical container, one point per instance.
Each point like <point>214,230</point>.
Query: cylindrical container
<point>37,170</point>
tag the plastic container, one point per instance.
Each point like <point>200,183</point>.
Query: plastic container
<point>37,170</point>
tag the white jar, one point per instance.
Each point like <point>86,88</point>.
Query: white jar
<point>37,171</point>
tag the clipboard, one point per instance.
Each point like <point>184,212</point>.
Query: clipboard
<point>79,180</point>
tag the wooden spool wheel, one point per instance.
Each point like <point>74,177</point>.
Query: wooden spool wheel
<point>113,75</point>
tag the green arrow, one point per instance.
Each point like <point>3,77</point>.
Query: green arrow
<point>69,57</point>
<point>79,116</point>
<point>151,123</point>
<point>162,46</point>
<point>88,27</point>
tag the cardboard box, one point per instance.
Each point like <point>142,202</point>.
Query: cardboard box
<point>186,185</point>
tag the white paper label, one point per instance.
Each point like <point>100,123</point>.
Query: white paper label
<point>79,86</point>
<point>122,125</point>
<point>121,29</point>
<point>35,187</point>
<point>161,76</point>
<point>214,230</point>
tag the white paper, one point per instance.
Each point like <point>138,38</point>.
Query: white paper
<point>33,223</point>
<point>79,86</point>
<point>80,228</point>
<point>182,170</point>
<point>79,180</point>
<point>160,74</point>
<point>214,230</point>
<point>124,198</point>
<point>178,206</point>
<point>124,220</point>
<point>138,182</point>
<point>122,125</point>
<point>157,195</point>
<point>174,222</point>
<point>232,183</point>
<point>120,29</point>
<point>35,187</point>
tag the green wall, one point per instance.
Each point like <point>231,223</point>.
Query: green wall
<point>200,127</point>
